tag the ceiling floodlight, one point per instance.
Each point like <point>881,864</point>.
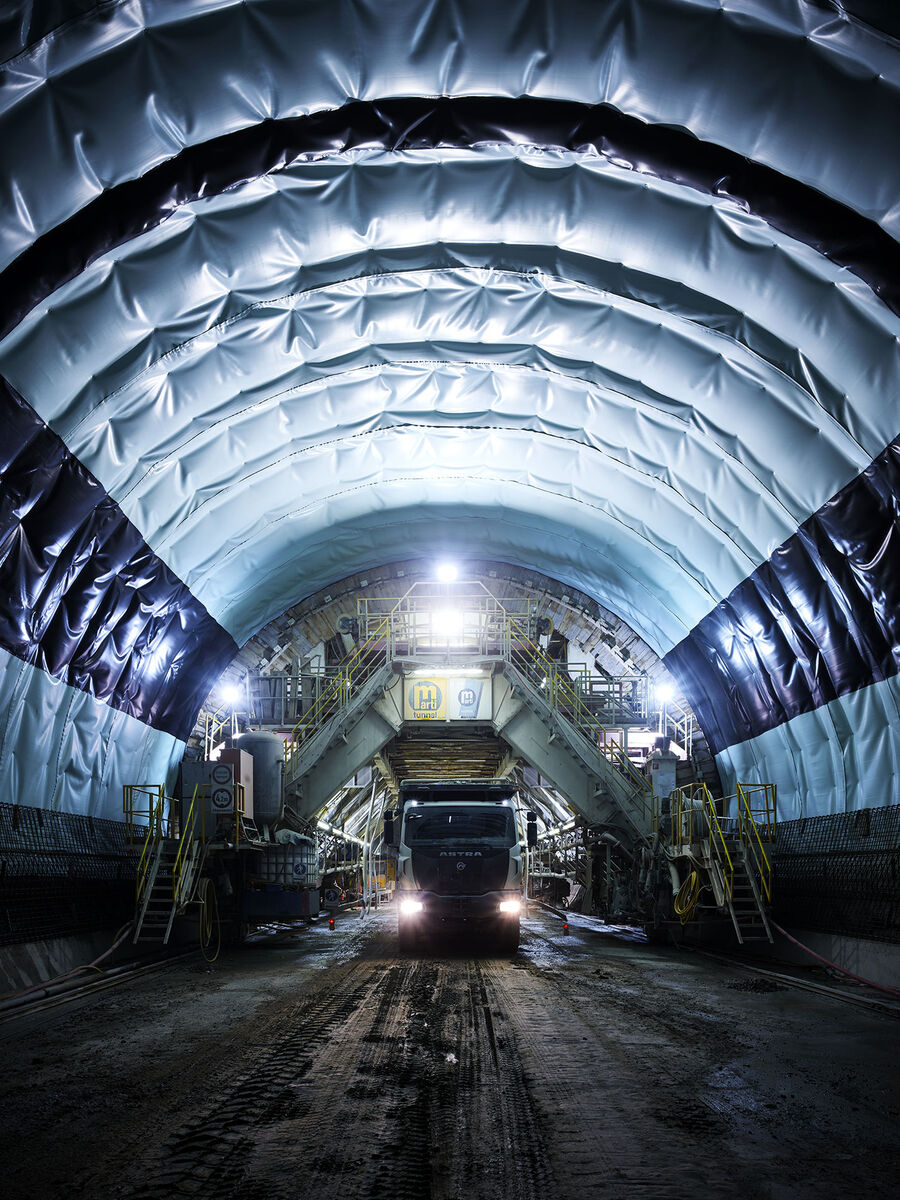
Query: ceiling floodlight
<point>448,622</point>
<point>447,572</point>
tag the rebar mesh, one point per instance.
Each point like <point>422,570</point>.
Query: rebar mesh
<point>841,873</point>
<point>61,874</point>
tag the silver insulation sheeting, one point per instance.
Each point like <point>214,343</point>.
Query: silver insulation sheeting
<point>763,77</point>
<point>509,348</point>
<point>62,749</point>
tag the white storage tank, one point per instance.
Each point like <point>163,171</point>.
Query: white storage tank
<point>289,864</point>
<point>267,750</point>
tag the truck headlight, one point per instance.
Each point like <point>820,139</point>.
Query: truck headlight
<point>408,907</point>
<point>510,906</point>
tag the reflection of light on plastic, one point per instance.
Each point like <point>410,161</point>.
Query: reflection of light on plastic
<point>447,622</point>
<point>447,572</point>
<point>664,692</point>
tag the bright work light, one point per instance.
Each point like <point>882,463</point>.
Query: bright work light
<point>447,623</point>
<point>408,907</point>
<point>510,906</point>
<point>447,572</point>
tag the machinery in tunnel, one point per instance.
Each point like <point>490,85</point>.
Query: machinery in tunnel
<point>444,690</point>
<point>592,299</point>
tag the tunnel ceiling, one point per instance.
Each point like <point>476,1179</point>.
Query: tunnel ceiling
<point>604,290</point>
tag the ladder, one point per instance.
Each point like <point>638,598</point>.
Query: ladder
<point>735,854</point>
<point>168,889</point>
<point>745,905</point>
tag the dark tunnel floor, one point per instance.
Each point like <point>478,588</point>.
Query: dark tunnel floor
<point>328,1065</point>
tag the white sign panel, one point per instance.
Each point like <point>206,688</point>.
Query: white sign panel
<point>447,698</point>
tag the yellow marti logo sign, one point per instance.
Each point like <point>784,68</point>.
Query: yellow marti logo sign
<point>428,699</point>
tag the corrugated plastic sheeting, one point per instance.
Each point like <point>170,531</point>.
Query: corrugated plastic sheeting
<point>313,225</point>
<point>643,368</point>
<point>416,123</point>
<point>81,593</point>
<point>62,749</point>
<point>818,620</point>
<point>841,757</point>
<point>349,536</point>
<point>245,579</point>
<point>710,67</point>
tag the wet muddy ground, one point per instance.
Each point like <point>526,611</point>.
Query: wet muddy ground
<point>327,1064</point>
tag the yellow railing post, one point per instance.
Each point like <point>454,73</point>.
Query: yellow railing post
<point>187,835</point>
<point>155,807</point>
<point>336,694</point>
<point>748,830</point>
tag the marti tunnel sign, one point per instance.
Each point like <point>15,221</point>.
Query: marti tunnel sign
<point>446,698</point>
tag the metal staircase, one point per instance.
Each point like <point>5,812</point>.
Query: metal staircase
<point>730,856</point>
<point>619,788</point>
<point>745,906</point>
<point>331,723</point>
<point>169,866</point>
<point>409,633</point>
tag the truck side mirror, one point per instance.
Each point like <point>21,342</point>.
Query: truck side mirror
<point>531,830</point>
<point>389,839</point>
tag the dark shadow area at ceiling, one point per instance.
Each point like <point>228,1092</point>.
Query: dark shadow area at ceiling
<point>881,15</point>
<point>124,212</point>
<point>818,620</point>
<point>82,595</point>
<point>25,23</point>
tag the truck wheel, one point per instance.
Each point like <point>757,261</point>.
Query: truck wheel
<point>507,939</point>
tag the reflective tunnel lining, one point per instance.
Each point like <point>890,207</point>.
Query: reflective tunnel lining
<point>82,595</point>
<point>124,212</point>
<point>709,66</point>
<point>63,749</point>
<point>153,652</point>
<point>819,620</point>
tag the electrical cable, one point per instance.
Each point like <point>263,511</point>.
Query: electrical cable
<point>208,913</point>
<point>686,899</point>
<point>120,937</point>
<point>879,987</point>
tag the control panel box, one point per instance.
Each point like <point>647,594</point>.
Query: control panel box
<point>215,783</point>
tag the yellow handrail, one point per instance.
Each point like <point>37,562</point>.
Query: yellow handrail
<point>154,794</point>
<point>712,818</point>
<point>683,808</point>
<point>749,829</point>
<point>336,694</point>
<point>560,694</point>
<point>764,815</point>
<point>187,836</point>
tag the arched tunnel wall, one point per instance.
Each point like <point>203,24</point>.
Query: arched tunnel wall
<point>609,291</point>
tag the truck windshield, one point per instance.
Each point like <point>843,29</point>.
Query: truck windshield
<point>492,825</point>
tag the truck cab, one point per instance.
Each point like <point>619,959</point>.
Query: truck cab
<point>459,861</point>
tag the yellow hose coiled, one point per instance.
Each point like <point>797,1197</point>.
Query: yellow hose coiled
<point>688,895</point>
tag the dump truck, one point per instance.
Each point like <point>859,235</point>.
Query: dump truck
<point>459,861</point>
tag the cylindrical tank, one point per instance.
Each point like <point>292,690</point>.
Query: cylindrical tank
<point>267,750</point>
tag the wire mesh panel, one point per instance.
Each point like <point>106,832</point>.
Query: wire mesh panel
<point>61,874</point>
<point>841,873</point>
